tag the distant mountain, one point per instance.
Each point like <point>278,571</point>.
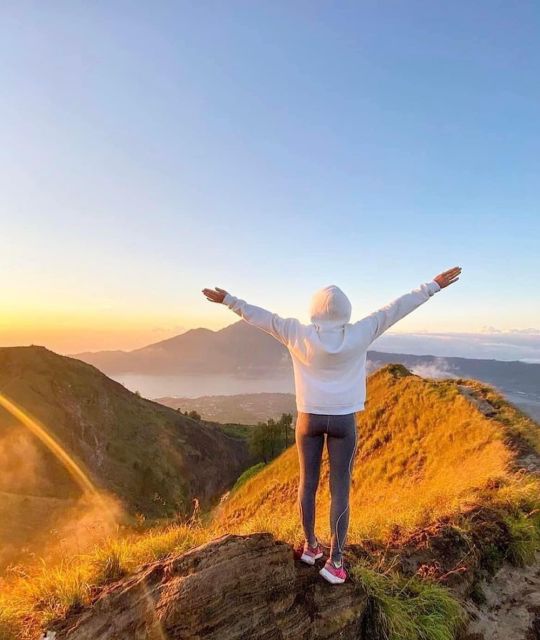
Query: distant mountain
<point>242,350</point>
<point>237,349</point>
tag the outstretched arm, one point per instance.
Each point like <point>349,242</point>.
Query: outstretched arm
<point>378,322</point>
<point>283,329</point>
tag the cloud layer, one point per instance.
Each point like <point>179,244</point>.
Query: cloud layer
<point>501,345</point>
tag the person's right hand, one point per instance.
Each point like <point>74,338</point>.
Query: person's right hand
<point>448,277</point>
<point>215,295</point>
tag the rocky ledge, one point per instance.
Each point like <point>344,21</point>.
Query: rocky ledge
<point>232,588</point>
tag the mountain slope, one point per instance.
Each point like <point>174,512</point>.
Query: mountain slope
<point>425,449</point>
<point>153,459</point>
<point>238,348</point>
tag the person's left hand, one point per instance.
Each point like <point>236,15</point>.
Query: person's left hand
<point>447,278</point>
<point>215,295</point>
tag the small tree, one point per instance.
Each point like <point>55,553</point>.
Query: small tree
<point>259,442</point>
<point>267,438</point>
<point>286,422</point>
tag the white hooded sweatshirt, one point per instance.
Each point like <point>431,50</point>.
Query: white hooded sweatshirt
<point>329,355</point>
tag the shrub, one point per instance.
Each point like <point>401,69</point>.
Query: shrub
<point>409,609</point>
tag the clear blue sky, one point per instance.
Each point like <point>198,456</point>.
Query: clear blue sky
<point>152,149</point>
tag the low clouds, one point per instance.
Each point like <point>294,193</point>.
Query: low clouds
<point>437,369</point>
<point>491,329</point>
<point>516,344</point>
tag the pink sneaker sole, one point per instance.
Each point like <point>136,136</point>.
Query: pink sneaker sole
<point>309,559</point>
<point>330,577</point>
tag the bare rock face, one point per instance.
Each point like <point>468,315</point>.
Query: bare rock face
<point>511,606</point>
<point>233,588</point>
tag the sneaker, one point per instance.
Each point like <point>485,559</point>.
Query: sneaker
<point>333,574</point>
<point>310,554</point>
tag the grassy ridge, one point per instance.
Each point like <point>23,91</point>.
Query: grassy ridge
<point>424,451</point>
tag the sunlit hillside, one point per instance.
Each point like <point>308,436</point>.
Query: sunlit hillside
<point>426,448</point>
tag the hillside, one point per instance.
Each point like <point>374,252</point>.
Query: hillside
<point>426,448</point>
<point>246,408</point>
<point>150,458</point>
<point>444,513</point>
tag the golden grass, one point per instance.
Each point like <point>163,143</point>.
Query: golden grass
<point>30,598</point>
<point>424,451</point>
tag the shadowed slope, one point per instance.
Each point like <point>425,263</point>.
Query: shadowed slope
<point>150,457</point>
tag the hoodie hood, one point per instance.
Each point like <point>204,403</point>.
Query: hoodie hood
<point>330,308</point>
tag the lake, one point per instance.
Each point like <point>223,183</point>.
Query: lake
<point>193,386</point>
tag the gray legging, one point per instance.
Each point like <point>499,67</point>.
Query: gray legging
<point>340,433</point>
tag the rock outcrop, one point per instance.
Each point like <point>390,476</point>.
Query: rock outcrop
<point>510,607</point>
<point>233,588</point>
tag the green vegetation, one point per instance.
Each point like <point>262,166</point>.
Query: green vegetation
<point>248,473</point>
<point>524,531</point>
<point>268,439</point>
<point>233,430</point>
<point>409,609</point>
